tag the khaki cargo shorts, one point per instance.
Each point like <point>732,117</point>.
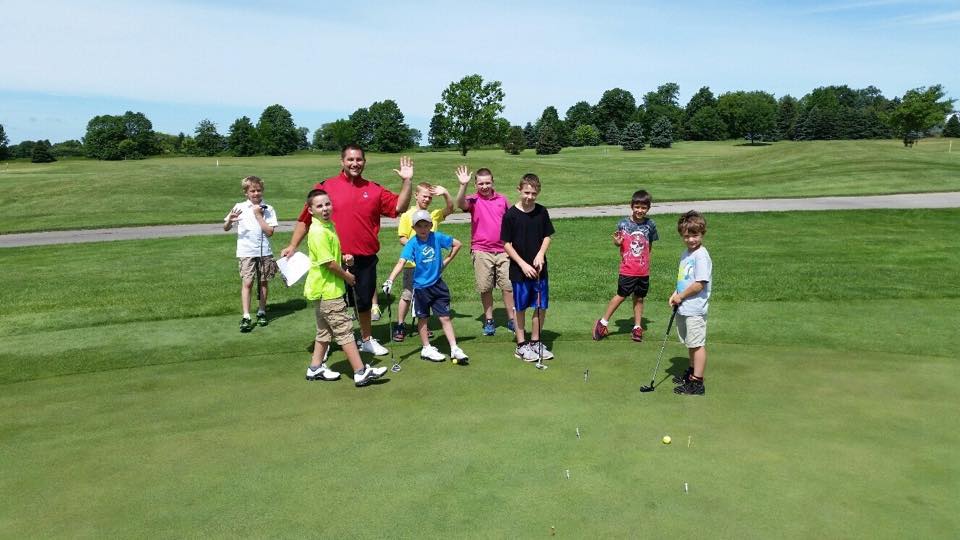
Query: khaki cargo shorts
<point>491,270</point>
<point>692,330</point>
<point>248,268</point>
<point>333,322</point>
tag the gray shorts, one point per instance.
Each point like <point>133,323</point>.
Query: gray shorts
<point>692,330</point>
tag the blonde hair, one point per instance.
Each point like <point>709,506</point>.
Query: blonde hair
<point>425,185</point>
<point>250,180</point>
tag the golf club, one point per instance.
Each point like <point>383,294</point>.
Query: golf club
<point>539,365</point>
<point>353,300</point>
<point>396,365</point>
<point>651,387</point>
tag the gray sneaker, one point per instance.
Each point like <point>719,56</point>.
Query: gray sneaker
<point>525,352</point>
<point>539,348</point>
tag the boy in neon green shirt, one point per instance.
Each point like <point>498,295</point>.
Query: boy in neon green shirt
<point>326,284</point>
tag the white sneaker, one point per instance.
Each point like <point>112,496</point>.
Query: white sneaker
<point>547,355</point>
<point>322,373</point>
<point>525,353</point>
<point>458,356</point>
<point>375,313</point>
<point>373,346</point>
<point>368,375</point>
<point>432,354</point>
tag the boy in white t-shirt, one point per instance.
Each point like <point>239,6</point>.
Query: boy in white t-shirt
<point>691,299</point>
<point>255,221</point>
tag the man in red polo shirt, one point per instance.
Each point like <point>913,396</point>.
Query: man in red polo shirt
<point>357,206</point>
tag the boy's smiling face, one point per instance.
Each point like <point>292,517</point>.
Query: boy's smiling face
<point>424,197</point>
<point>484,185</point>
<point>528,195</point>
<point>639,211</point>
<point>321,207</point>
<point>693,240</point>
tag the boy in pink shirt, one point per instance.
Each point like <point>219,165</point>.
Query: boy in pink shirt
<point>491,265</point>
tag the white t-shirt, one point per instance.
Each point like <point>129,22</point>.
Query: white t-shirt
<point>249,233</point>
<point>696,266</point>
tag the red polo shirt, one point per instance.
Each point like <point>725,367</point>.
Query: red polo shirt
<point>357,208</point>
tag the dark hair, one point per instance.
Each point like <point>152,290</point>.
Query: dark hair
<point>352,146</point>
<point>484,172</point>
<point>692,223</point>
<point>641,197</point>
<point>315,193</point>
<point>531,180</point>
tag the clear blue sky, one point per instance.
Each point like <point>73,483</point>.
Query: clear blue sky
<point>181,61</point>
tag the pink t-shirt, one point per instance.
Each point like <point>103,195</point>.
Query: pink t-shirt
<point>486,215</point>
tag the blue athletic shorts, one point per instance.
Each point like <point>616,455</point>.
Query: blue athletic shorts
<point>525,294</point>
<point>435,297</point>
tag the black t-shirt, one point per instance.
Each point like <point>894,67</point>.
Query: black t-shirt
<point>526,231</point>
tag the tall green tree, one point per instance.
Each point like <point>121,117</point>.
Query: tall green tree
<point>663,103</point>
<point>68,148</point>
<point>550,117</point>
<point>616,106</point>
<point>514,143</point>
<point>470,107</point>
<point>631,138</point>
<point>41,153</point>
<point>952,129</point>
<point>706,125</point>
<point>703,98</point>
<point>4,151</point>
<point>209,141</point>
<point>242,138</point>
<point>579,114</point>
<point>390,132</point>
<point>303,142</point>
<point>103,137</point>
<point>661,134</point>
<point>276,131</point>
<point>363,126</point>
<point>920,110</point>
<point>585,135</point>
<point>547,141</point>
<point>612,134</point>
<point>139,129</point>
<point>530,135</point>
<point>752,115</point>
<point>787,113</point>
<point>439,134</point>
<point>335,135</point>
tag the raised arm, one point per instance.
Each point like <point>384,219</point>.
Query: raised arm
<point>405,172</point>
<point>442,191</point>
<point>463,177</point>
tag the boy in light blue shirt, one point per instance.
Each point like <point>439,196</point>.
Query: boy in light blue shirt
<point>430,293</point>
<point>692,300</point>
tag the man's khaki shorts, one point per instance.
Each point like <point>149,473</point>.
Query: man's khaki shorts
<point>407,293</point>
<point>491,269</point>
<point>692,330</point>
<point>333,322</point>
<point>248,268</point>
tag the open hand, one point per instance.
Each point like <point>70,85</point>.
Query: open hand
<point>234,215</point>
<point>463,175</point>
<point>406,168</point>
<point>439,191</point>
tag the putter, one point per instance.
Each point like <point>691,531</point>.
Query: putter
<point>650,387</point>
<point>539,365</point>
<point>396,365</point>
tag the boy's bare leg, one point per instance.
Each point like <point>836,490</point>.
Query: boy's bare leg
<point>486,299</point>
<point>319,350</point>
<point>366,324</point>
<point>448,330</point>
<point>423,331</point>
<point>353,355</point>
<point>698,359</point>
<point>507,303</point>
<point>264,285</point>
<point>638,311</point>
<point>403,306</point>
<point>519,317</point>
<point>612,306</point>
<point>245,288</point>
<point>536,322</point>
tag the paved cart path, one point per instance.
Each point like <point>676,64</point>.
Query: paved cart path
<point>902,201</point>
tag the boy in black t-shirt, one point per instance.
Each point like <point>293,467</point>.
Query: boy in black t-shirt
<point>526,232</point>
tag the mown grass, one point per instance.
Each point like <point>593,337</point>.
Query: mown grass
<point>135,408</point>
<point>88,194</point>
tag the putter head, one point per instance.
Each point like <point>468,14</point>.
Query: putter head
<point>540,366</point>
<point>395,368</point>
<point>648,388</point>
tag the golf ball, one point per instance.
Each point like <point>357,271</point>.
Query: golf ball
<point>666,439</point>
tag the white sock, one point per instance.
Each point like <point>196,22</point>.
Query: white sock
<point>261,312</point>
<point>636,326</point>
<point>246,315</point>
<point>604,322</point>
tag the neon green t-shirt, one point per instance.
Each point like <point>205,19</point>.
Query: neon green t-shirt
<point>405,225</point>
<point>323,245</point>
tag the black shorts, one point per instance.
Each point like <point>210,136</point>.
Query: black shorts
<point>365,270</point>
<point>635,285</point>
<point>434,298</point>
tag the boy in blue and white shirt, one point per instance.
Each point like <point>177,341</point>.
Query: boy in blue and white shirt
<point>691,299</point>
<point>430,293</point>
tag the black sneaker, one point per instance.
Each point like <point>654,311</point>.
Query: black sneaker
<point>399,332</point>
<point>246,325</point>
<point>691,388</point>
<point>261,319</point>
<point>680,379</point>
